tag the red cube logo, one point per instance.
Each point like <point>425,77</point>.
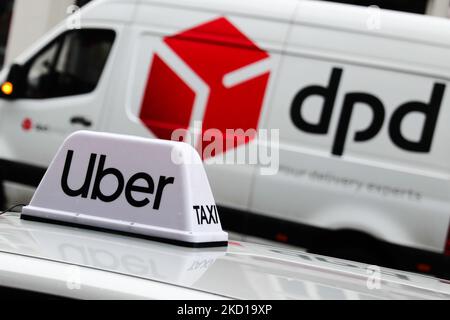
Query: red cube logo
<point>212,68</point>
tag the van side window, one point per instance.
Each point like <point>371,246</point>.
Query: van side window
<point>70,65</point>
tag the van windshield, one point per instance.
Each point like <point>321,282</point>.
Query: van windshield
<point>71,65</point>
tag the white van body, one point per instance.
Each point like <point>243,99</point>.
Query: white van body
<point>361,109</point>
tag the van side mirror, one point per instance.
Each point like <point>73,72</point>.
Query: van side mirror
<point>14,85</point>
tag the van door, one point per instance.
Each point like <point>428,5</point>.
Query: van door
<point>199,70</point>
<point>64,88</point>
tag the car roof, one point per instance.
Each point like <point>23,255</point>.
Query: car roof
<point>241,270</point>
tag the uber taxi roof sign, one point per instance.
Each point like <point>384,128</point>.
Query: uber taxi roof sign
<point>151,188</point>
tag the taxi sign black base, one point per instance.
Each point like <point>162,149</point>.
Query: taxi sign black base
<point>129,234</point>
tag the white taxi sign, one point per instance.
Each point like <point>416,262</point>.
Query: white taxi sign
<point>146,187</point>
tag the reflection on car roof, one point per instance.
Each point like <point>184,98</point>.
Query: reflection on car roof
<point>241,270</point>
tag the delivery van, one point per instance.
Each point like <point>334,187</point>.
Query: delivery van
<point>353,103</point>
